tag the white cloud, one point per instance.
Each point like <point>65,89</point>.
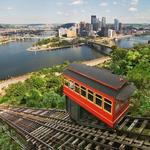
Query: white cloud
<point>76,2</point>
<point>9,8</point>
<point>59,13</point>
<point>108,11</point>
<point>134,2</point>
<point>114,2</point>
<point>66,14</point>
<point>133,5</point>
<point>103,4</point>
<point>83,11</point>
<point>59,3</point>
<point>133,9</point>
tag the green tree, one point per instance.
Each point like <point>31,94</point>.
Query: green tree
<point>52,100</point>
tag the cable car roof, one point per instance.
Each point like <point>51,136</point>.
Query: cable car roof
<point>99,75</point>
<point>101,80</point>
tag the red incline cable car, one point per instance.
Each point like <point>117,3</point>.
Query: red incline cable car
<point>98,91</point>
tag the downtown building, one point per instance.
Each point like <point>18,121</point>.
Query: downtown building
<point>85,29</point>
<point>116,25</point>
<point>96,23</point>
<point>69,32</point>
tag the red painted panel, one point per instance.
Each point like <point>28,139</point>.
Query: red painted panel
<point>90,88</point>
<point>121,112</point>
<point>89,106</point>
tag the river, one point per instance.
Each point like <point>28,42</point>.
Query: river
<point>16,60</point>
<point>131,41</point>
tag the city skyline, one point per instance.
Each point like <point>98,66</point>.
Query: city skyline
<point>63,11</point>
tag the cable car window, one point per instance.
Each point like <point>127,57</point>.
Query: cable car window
<point>71,85</point>
<point>98,100</point>
<point>83,91</point>
<point>107,105</point>
<point>77,88</point>
<point>90,95</point>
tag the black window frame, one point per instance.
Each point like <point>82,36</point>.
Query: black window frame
<point>83,90</point>
<point>98,98</point>
<point>90,96</point>
<point>77,88</point>
<point>108,105</point>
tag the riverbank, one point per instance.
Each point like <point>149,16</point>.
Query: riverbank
<point>5,83</point>
<point>119,37</point>
<point>96,61</point>
<point>6,42</point>
<point>13,40</point>
<point>33,49</point>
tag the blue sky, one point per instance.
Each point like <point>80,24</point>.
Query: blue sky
<point>61,11</point>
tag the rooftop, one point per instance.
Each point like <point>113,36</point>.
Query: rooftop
<point>102,80</point>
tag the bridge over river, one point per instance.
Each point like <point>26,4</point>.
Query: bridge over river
<point>106,49</point>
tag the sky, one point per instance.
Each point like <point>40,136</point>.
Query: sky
<point>63,11</point>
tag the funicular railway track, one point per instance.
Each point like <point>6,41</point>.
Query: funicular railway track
<point>53,129</point>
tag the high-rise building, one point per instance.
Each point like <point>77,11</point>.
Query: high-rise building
<point>89,29</point>
<point>116,25</point>
<point>82,29</point>
<point>99,24</point>
<point>93,19</point>
<point>120,26</point>
<point>94,22</point>
<point>103,32</point>
<point>103,21</point>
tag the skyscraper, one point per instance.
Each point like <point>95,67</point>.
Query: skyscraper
<point>94,22</point>
<point>99,23</point>
<point>116,25</point>
<point>120,26</point>
<point>93,19</point>
<point>103,21</point>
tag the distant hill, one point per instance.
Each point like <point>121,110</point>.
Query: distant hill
<point>1,26</point>
<point>67,25</point>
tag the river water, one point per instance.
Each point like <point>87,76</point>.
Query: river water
<point>131,41</point>
<point>15,60</point>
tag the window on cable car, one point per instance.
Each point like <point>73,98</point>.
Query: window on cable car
<point>83,91</point>
<point>90,95</point>
<point>98,100</point>
<point>71,85</point>
<point>107,105</point>
<point>77,88</point>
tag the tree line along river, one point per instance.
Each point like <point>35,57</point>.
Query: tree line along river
<point>15,60</point>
